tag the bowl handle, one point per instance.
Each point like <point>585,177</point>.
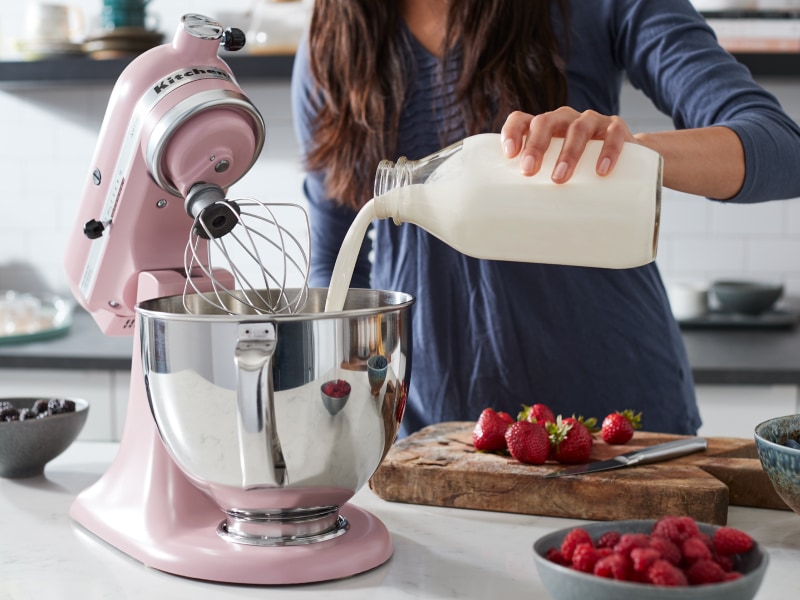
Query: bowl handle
<point>255,403</point>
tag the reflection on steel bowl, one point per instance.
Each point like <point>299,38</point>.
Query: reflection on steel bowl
<point>236,399</point>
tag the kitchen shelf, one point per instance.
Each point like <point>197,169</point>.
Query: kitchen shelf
<point>82,70</point>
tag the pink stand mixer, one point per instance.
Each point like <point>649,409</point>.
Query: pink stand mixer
<point>236,463</point>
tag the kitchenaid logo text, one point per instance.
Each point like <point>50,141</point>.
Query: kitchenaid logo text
<point>180,77</point>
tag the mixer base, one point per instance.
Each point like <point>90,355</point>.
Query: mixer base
<point>200,553</point>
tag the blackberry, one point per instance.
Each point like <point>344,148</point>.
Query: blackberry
<point>54,406</point>
<point>26,414</point>
<point>67,406</point>
<point>40,406</point>
<point>9,414</point>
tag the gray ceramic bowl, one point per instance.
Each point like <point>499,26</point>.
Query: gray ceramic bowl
<point>564,583</point>
<point>27,446</point>
<point>781,463</point>
<point>746,297</point>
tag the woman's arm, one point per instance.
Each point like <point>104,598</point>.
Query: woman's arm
<point>706,161</point>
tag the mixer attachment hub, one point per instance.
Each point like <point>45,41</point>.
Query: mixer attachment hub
<point>214,215</point>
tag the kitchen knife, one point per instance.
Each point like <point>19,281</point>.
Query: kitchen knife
<point>644,456</point>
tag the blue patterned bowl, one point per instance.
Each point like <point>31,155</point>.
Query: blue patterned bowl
<point>781,462</point>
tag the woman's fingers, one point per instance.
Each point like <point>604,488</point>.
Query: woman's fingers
<point>530,136</point>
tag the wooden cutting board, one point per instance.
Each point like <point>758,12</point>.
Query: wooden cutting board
<point>439,466</point>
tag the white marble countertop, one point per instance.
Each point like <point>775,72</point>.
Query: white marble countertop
<point>438,552</point>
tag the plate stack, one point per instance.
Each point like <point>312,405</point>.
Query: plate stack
<point>121,42</point>
<point>126,30</point>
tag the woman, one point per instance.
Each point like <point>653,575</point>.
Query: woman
<point>405,78</point>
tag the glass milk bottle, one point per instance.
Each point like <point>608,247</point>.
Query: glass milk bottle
<point>474,198</point>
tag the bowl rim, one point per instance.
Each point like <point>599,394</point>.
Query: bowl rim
<point>759,438</point>
<point>746,284</point>
<point>632,586</point>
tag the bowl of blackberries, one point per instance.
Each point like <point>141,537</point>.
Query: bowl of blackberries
<point>778,446</point>
<point>33,431</point>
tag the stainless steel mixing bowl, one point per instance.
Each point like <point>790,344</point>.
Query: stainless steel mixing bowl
<point>238,402</point>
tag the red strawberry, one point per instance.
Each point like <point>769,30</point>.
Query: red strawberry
<point>618,427</point>
<point>572,539</point>
<point>704,571</point>
<point>528,443</point>
<point>728,540</point>
<point>570,441</point>
<point>665,573</point>
<point>537,413</point>
<point>489,433</point>
<point>506,417</point>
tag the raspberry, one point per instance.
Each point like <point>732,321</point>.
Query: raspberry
<point>609,539</point>
<point>614,566</point>
<point>666,574</point>
<point>669,551</point>
<point>725,561</point>
<point>643,558</point>
<point>705,571</point>
<point>694,549</point>
<point>629,541</point>
<point>585,557</point>
<point>676,529</point>
<point>728,540</point>
<point>732,576</point>
<point>572,539</point>
<point>554,555</point>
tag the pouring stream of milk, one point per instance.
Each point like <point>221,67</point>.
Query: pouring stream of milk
<point>346,259</point>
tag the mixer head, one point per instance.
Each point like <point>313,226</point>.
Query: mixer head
<point>246,239</point>
<point>177,134</point>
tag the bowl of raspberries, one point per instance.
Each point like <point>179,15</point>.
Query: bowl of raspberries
<point>650,559</point>
<point>33,431</point>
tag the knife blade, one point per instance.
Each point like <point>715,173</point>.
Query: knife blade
<point>652,454</point>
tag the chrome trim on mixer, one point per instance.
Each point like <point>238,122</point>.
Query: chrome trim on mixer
<point>173,119</point>
<point>285,528</point>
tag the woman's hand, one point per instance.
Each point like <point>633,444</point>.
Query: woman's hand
<point>529,137</point>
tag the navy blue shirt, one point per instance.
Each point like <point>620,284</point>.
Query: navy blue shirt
<point>583,341</point>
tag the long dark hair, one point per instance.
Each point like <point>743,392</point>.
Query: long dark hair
<point>509,55</point>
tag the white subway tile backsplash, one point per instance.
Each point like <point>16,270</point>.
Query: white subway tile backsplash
<point>773,256</point>
<point>684,213</point>
<point>746,219</point>
<point>707,255</point>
